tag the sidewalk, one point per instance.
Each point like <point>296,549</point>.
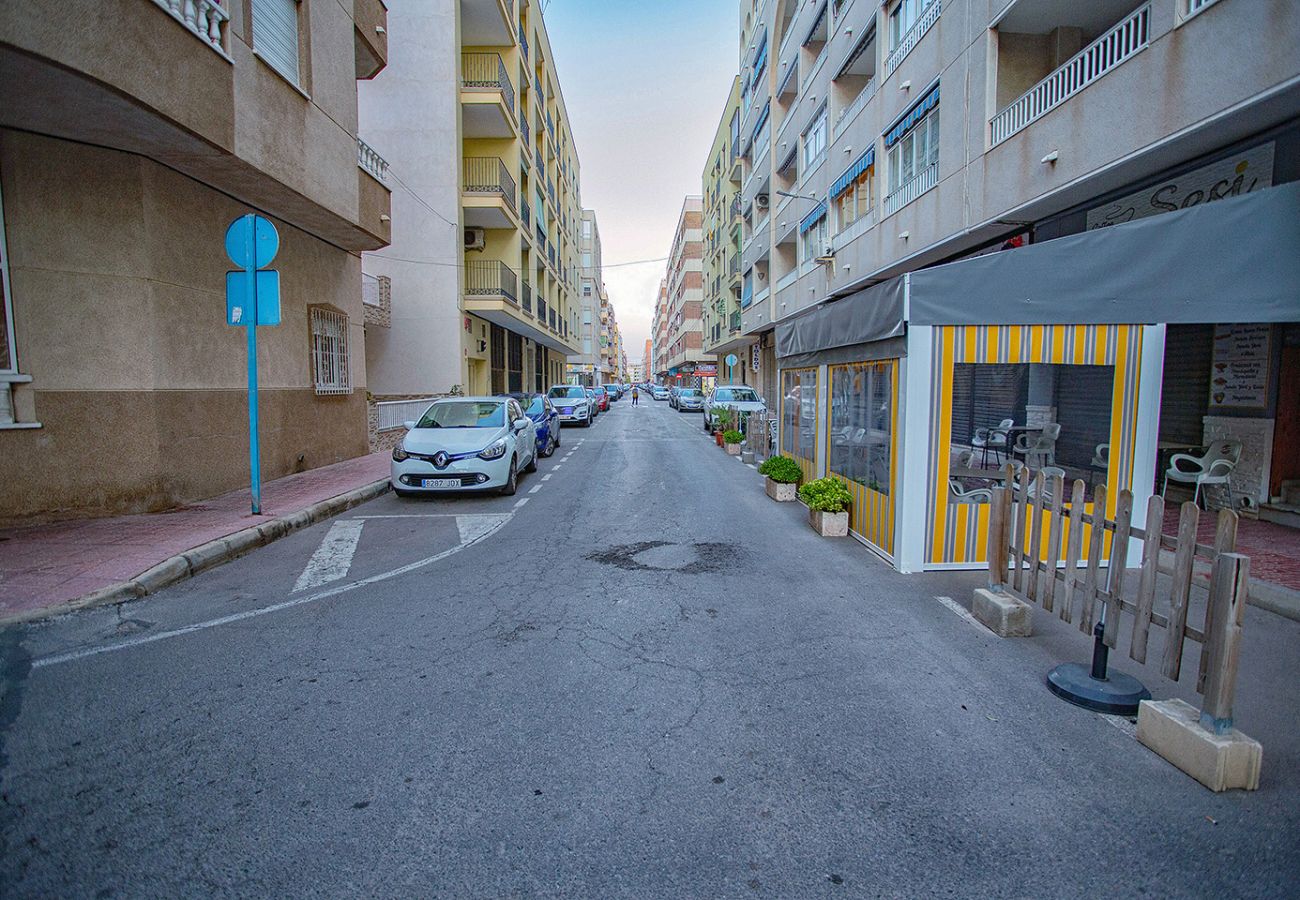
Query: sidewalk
<point>48,569</point>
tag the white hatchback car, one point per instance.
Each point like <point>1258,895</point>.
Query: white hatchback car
<point>465,444</point>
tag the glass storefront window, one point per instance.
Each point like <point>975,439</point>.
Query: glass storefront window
<point>861,424</point>
<point>799,413</point>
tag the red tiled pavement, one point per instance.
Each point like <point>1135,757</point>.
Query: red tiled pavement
<point>46,565</point>
<point>1274,550</point>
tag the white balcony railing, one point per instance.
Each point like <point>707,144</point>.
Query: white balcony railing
<point>928,178</point>
<point>787,279</point>
<point>1124,40</point>
<point>371,161</point>
<point>850,112</point>
<point>205,19</point>
<point>392,413</point>
<point>929,16</point>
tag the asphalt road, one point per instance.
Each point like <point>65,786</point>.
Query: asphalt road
<point>637,678</point>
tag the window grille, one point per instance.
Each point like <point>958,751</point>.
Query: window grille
<point>329,352</point>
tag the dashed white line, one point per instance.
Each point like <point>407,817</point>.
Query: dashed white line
<point>546,477</point>
<point>963,613</point>
<point>520,502</point>
<point>534,489</point>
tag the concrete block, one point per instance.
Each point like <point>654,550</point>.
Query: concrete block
<point>747,456</point>
<point>829,524</point>
<point>1002,614</point>
<point>781,492</point>
<point>1221,762</point>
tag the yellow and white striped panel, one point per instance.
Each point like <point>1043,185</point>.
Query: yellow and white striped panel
<point>806,382</point>
<point>958,532</point>
<point>871,515</point>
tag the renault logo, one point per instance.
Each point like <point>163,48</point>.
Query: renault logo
<point>440,459</point>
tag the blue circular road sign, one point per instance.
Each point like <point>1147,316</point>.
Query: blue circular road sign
<point>731,359</point>
<point>252,241</point>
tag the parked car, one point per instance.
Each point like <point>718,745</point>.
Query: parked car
<point>672,396</point>
<point>602,397</point>
<point>465,444</point>
<point>741,399</point>
<point>614,391</point>
<point>572,403</point>
<point>690,400</point>
<point>659,392</point>
<point>539,408</point>
<point>595,404</point>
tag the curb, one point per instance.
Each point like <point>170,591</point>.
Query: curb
<point>205,556</point>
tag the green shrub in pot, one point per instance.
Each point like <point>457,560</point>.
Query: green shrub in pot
<point>781,469</point>
<point>731,436</point>
<point>826,495</point>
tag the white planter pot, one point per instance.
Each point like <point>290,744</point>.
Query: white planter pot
<point>733,449</point>
<point>829,524</point>
<point>782,493</point>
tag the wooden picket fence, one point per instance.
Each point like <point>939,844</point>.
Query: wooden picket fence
<point>1029,521</point>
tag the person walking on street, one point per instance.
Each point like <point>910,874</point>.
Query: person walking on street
<point>634,396</point>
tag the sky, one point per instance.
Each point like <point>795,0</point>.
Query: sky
<point>645,84</point>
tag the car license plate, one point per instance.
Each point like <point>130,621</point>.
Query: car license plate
<point>568,410</point>
<point>440,482</point>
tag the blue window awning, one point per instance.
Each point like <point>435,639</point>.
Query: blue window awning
<point>911,117</point>
<point>851,174</point>
<point>818,213</point>
<point>762,120</point>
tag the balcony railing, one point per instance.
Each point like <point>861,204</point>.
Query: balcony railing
<point>523,42</point>
<point>371,161</point>
<point>526,215</point>
<point>929,16</point>
<point>926,179</point>
<point>205,19</point>
<point>541,309</point>
<point>487,72</point>
<point>787,279</point>
<point>491,278</point>
<point>489,175</point>
<point>848,113</point>
<point>735,322</point>
<point>1115,46</point>
<point>526,294</point>
<point>526,132</point>
<point>550,125</point>
<point>551,318</point>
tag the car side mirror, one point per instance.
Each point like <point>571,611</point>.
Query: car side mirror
<point>521,423</point>
<point>408,424</point>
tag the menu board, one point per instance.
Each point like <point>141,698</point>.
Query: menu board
<point>1239,367</point>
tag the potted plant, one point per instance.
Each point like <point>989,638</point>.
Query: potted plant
<point>732,438</point>
<point>720,421</point>
<point>782,477</point>
<point>828,504</point>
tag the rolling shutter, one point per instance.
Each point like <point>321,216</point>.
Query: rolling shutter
<point>1185,389</point>
<point>275,35</point>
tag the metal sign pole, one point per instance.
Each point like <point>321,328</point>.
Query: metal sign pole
<point>254,449</point>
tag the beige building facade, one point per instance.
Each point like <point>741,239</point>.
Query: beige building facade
<point>683,360</point>
<point>122,388</point>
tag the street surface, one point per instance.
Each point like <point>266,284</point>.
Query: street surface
<point>639,677</point>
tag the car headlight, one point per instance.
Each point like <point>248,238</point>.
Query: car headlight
<point>580,409</point>
<point>495,450</point>
<point>399,454</point>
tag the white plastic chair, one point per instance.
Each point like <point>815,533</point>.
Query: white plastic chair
<point>1042,452</point>
<point>994,439</point>
<point>1101,456</point>
<point>960,494</point>
<point>1214,467</point>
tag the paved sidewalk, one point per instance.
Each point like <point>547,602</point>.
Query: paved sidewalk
<point>47,568</point>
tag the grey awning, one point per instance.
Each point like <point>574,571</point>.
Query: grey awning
<point>1233,260</point>
<point>871,314</point>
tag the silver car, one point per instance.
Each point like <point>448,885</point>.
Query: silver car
<point>690,400</point>
<point>735,397</point>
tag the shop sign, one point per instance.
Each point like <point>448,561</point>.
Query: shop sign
<point>1247,171</point>
<point>755,355</point>
<point>706,369</point>
<point>1239,367</point>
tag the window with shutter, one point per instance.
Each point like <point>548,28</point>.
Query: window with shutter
<point>275,35</point>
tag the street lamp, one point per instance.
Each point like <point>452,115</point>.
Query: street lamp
<point>798,196</point>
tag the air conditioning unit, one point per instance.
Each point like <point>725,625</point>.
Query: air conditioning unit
<point>475,239</point>
<point>827,254</point>
<point>762,200</point>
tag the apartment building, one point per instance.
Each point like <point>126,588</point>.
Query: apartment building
<point>722,230</point>
<point>483,272</point>
<point>585,366</point>
<point>683,359</point>
<point>659,333</point>
<point>966,179</point>
<point>132,133</point>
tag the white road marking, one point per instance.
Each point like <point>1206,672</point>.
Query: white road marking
<point>333,558</point>
<point>962,612</point>
<point>520,502</point>
<point>556,466</point>
<point>266,610</point>
<point>534,489</point>
<point>546,477</point>
<point>473,527</point>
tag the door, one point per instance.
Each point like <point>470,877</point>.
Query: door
<point>1286,427</point>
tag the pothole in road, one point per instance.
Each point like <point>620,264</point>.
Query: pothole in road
<point>694,558</point>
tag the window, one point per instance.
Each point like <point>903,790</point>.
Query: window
<point>915,151</point>
<point>799,413</point>
<point>862,399</point>
<point>586,228</point>
<point>275,35</point>
<point>586,346</point>
<point>329,351</point>
<point>901,19</point>
<point>586,316</point>
<point>814,140</point>
<point>812,243</point>
<point>856,201</point>
<point>586,260</point>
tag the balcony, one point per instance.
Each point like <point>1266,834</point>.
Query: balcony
<point>487,23</point>
<point>734,324</point>
<point>850,112</point>
<point>526,132</point>
<point>918,185</point>
<point>523,42</point>
<point>372,162</point>
<point>377,300</point>
<point>487,97</point>
<point>489,191</point>
<point>205,19</point>
<point>369,37</point>
<point>491,278</point>
<point>1125,39</point>
<point>526,296</point>
<point>908,41</point>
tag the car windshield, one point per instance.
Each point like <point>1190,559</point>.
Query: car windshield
<point>536,406</point>
<point>561,391</point>
<point>599,390</point>
<point>464,414</point>
<point>688,392</point>
<point>736,395</point>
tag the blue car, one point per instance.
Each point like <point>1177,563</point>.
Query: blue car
<point>539,408</point>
